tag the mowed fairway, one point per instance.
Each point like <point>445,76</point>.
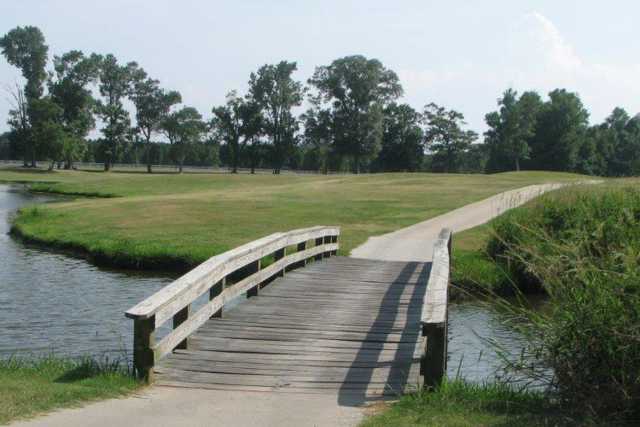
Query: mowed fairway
<point>176,221</point>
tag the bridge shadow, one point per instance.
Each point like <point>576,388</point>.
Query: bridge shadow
<point>400,365</point>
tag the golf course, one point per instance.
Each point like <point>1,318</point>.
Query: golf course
<point>174,222</point>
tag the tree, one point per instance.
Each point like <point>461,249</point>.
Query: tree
<point>153,104</point>
<point>25,48</point>
<point>511,128</point>
<point>19,122</point>
<point>560,129</point>
<point>317,139</point>
<point>48,129</point>
<point>275,92</point>
<point>445,137</point>
<point>355,90</point>
<point>184,129</point>
<point>69,89</point>
<point>115,86</point>
<point>402,139</point>
<point>237,123</point>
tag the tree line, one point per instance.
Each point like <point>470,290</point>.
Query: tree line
<point>353,121</point>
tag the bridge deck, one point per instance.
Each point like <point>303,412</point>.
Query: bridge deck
<point>341,325</point>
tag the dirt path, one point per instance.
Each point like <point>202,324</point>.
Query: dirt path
<point>415,243</point>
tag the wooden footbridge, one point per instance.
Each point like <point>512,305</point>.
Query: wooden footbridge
<point>314,322</point>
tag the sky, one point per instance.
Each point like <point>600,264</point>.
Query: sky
<point>459,54</point>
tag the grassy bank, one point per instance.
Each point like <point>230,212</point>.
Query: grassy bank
<point>176,221</point>
<point>31,387</point>
<point>461,404</point>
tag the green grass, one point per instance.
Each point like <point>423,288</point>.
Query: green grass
<point>462,404</point>
<point>170,221</point>
<point>31,387</point>
<point>473,271</point>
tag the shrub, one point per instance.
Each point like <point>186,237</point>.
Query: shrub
<point>582,247</point>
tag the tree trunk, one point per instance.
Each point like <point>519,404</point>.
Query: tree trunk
<point>149,157</point>
<point>517,164</point>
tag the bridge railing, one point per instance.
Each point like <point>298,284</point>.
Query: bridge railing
<point>433,361</point>
<point>224,277</point>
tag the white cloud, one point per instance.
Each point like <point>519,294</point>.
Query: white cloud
<point>535,55</point>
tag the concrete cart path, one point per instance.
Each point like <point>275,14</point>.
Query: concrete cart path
<point>415,243</point>
<point>168,407</point>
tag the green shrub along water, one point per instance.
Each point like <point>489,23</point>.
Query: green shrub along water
<point>581,246</point>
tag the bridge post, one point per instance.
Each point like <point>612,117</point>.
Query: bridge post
<point>279,254</point>
<point>143,341</point>
<point>214,292</point>
<point>319,241</point>
<point>326,240</point>
<point>179,318</point>
<point>252,269</point>
<point>301,247</point>
<point>433,363</point>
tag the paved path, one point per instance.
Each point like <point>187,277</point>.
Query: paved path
<point>172,406</point>
<point>415,243</point>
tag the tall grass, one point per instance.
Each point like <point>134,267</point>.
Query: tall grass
<point>580,246</point>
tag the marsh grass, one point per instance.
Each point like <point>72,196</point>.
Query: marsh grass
<point>582,248</point>
<point>33,386</point>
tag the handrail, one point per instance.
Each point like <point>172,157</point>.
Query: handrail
<point>243,265</point>
<point>433,363</point>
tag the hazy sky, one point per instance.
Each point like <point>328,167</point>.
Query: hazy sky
<point>460,54</point>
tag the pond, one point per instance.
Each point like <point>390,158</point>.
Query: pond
<point>52,303</point>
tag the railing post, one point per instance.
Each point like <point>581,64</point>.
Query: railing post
<point>143,341</point>
<point>179,318</point>
<point>251,269</point>
<point>214,292</point>
<point>326,240</point>
<point>433,364</point>
<point>334,239</point>
<point>301,247</point>
<point>319,241</point>
<point>279,254</point>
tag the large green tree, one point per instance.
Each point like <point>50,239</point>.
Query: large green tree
<point>70,89</point>
<point>561,127</point>
<point>274,91</point>
<point>511,128</point>
<point>354,90</point>
<point>153,104</point>
<point>185,130</point>
<point>445,137</point>
<point>237,123</point>
<point>402,139</point>
<point>115,87</point>
<point>25,48</point>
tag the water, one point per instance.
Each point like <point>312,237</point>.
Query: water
<point>55,304</point>
<point>52,303</point>
<point>472,325</point>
